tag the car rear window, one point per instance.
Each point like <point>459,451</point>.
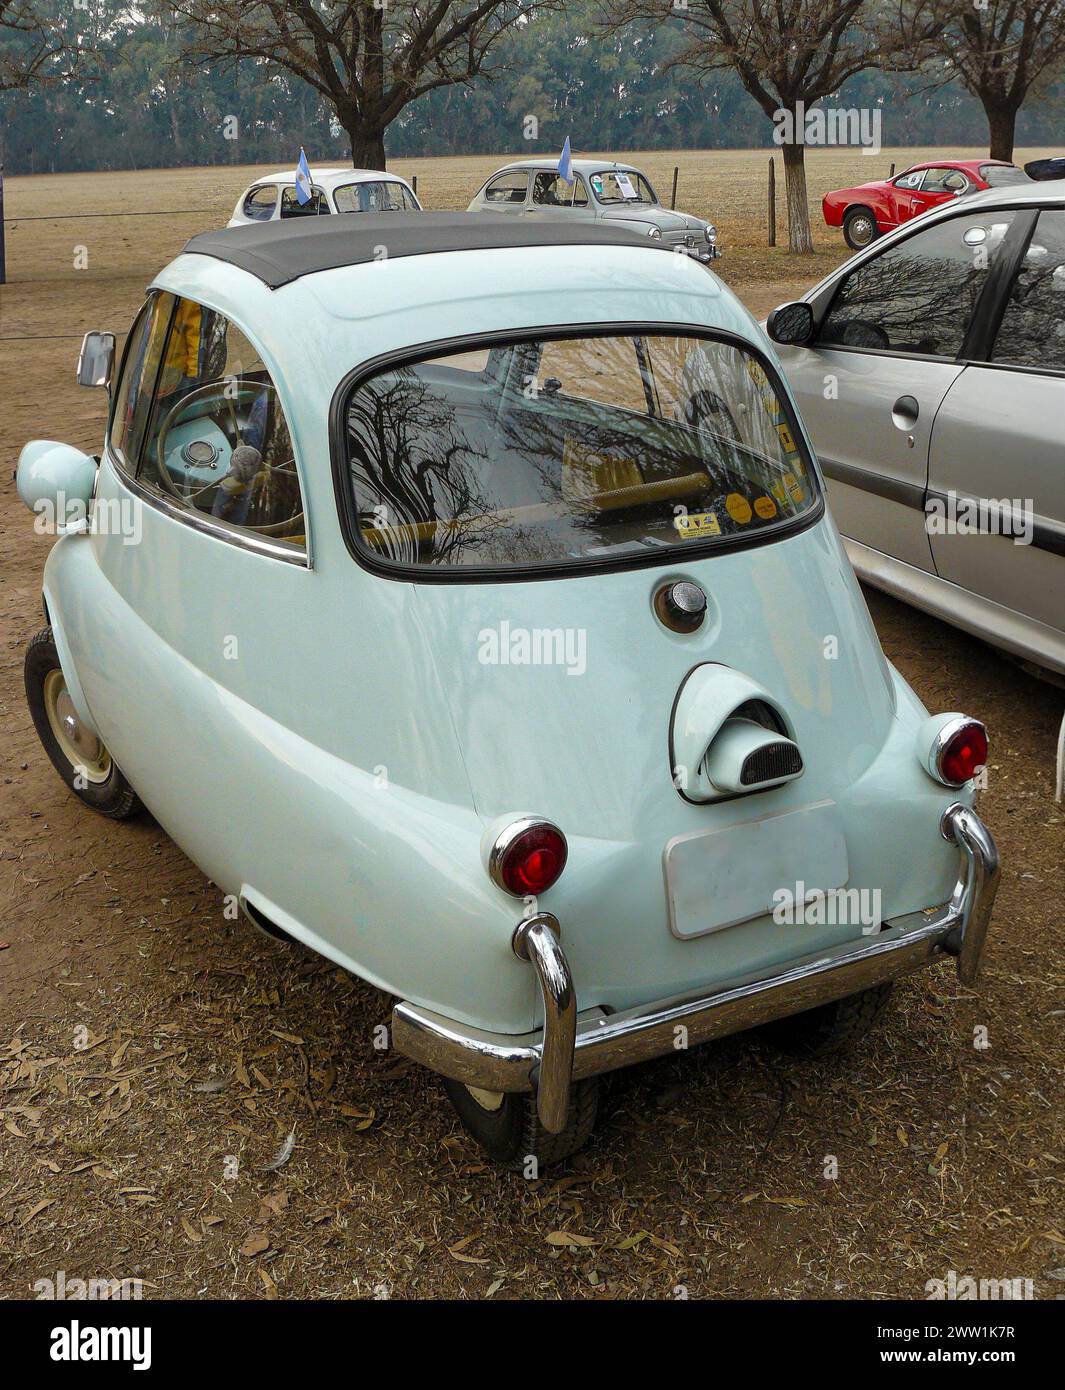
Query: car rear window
<point>1001,175</point>
<point>565,450</point>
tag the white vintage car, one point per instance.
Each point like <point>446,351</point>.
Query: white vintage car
<point>273,197</point>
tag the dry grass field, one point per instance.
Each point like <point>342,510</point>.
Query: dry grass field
<point>205,1041</point>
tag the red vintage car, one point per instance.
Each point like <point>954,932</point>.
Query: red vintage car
<point>870,209</point>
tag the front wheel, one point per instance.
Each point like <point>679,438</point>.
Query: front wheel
<point>77,754</point>
<point>860,229</point>
<point>508,1128</point>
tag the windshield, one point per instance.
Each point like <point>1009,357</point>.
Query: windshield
<point>622,186</point>
<point>564,451</point>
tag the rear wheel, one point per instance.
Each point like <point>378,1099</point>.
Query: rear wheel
<point>859,228</point>
<point>830,1027</point>
<point>79,757</point>
<point>508,1128</point>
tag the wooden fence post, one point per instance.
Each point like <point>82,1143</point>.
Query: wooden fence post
<point>772,202</point>
<point>676,175</point>
<point>3,263</point>
<point>414,183</point>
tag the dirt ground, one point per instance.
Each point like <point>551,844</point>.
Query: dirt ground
<point>155,1058</point>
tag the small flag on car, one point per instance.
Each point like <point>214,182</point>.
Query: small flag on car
<point>303,179</point>
<point>565,163</point>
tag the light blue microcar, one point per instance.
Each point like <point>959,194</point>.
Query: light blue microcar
<point>459,594</point>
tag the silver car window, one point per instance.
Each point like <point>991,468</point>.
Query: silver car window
<point>508,188</point>
<point>919,294</point>
<point>1032,332</point>
<point>550,190</point>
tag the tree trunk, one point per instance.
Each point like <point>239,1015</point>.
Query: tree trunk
<point>367,148</point>
<point>1001,122</point>
<point>800,238</point>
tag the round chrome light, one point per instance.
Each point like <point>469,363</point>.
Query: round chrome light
<point>958,751</point>
<point>528,857</point>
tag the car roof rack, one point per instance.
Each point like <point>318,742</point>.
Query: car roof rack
<point>279,252</point>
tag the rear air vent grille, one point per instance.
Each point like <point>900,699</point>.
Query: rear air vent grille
<point>770,763</point>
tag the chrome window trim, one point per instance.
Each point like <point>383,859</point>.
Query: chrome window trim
<point>209,525</point>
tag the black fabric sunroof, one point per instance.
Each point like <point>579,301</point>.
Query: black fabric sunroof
<point>278,252</point>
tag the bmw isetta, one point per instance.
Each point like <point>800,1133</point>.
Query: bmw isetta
<point>460,595</point>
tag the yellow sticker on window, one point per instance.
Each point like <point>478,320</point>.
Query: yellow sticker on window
<point>738,508</point>
<point>795,488</point>
<point>765,507</point>
<point>695,524</point>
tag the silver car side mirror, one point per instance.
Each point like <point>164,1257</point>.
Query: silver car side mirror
<point>791,324</point>
<point>96,361</point>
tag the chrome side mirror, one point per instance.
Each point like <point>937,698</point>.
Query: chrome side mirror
<point>791,324</point>
<point>96,361</point>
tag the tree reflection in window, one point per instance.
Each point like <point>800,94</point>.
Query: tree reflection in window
<point>919,295</point>
<point>569,449</point>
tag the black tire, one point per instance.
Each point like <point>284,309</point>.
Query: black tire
<point>112,795</point>
<point>512,1133</point>
<point>859,228</point>
<point>830,1027</point>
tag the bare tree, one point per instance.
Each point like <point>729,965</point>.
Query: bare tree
<point>35,46</point>
<point>789,55</point>
<point>368,58</point>
<point>1002,51</point>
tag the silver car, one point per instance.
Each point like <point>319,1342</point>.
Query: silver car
<point>930,370</point>
<point>615,193</point>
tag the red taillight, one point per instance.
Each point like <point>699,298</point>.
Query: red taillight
<point>528,857</point>
<point>963,753</point>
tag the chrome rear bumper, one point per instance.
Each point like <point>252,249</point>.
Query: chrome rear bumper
<point>571,1047</point>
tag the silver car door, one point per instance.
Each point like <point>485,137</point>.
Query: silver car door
<point>997,464</point>
<point>889,346</point>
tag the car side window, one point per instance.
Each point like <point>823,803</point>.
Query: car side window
<point>133,397</point>
<point>292,207</point>
<point>507,188</point>
<point>260,203</point>
<point>910,180</point>
<point>218,442</point>
<point>918,295</point>
<point>410,203</point>
<point>1032,332</point>
<point>552,191</point>
<point>944,181</point>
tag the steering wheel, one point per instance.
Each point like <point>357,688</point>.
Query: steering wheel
<point>234,439</point>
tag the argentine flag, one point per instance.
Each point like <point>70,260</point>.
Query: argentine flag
<point>303,179</point>
<point>565,163</point>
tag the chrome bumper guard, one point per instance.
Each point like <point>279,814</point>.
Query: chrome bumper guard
<point>571,1047</point>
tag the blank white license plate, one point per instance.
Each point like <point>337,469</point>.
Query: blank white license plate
<point>718,878</point>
